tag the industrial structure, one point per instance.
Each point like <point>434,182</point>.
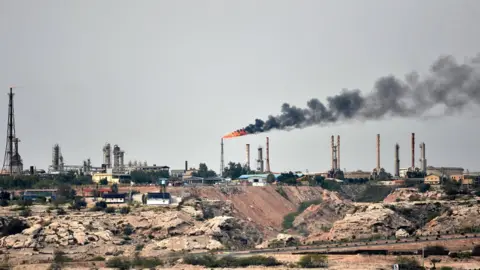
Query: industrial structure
<point>247,163</point>
<point>423,159</point>
<point>57,159</point>
<point>222,161</point>
<point>335,171</point>
<point>413,151</point>
<point>12,162</point>
<point>397,161</point>
<point>267,160</point>
<point>107,156</point>
<point>379,173</point>
<point>260,159</point>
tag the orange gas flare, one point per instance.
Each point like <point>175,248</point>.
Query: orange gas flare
<point>236,133</point>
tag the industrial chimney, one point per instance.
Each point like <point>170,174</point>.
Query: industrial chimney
<point>56,157</point>
<point>260,159</point>
<point>337,150</point>
<point>186,166</point>
<point>423,160</point>
<point>397,160</point>
<point>248,155</point>
<point>122,159</point>
<point>378,153</point>
<point>333,152</point>
<point>267,160</point>
<point>222,163</point>
<point>413,151</point>
<point>107,155</point>
<point>116,157</point>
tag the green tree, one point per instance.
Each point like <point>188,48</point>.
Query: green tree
<point>114,188</point>
<point>288,178</point>
<point>103,182</point>
<point>235,170</point>
<point>313,261</point>
<point>422,188</point>
<point>142,177</point>
<point>450,187</point>
<point>204,172</point>
<point>270,178</point>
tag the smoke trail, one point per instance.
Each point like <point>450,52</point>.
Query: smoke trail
<point>453,85</point>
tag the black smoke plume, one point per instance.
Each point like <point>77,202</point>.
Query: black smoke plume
<point>453,85</point>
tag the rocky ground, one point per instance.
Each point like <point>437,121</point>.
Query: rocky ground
<point>206,219</point>
<point>228,217</point>
<point>148,231</point>
<point>414,214</point>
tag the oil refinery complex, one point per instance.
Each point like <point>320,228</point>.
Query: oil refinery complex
<point>114,168</point>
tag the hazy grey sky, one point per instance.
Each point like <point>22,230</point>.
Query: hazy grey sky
<point>166,79</point>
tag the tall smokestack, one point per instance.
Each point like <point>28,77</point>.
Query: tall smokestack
<point>248,155</point>
<point>423,159</point>
<point>337,150</point>
<point>333,152</point>
<point>186,165</point>
<point>222,163</point>
<point>260,159</point>
<point>413,150</point>
<point>397,160</point>
<point>378,153</point>
<point>267,160</point>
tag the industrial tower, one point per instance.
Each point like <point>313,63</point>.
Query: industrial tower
<point>12,162</point>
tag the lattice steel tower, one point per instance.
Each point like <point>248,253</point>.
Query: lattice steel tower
<point>12,162</point>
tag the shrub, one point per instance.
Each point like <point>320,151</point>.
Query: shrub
<point>59,257</point>
<point>24,202</point>
<point>476,250</point>
<point>435,250</point>
<point>13,227</point>
<point>288,220</point>
<point>422,188</point>
<point>125,210</point>
<point>78,204</point>
<point>142,262</point>
<point>3,203</point>
<point>212,262</point>
<point>407,263</point>
<point>128,230</point>
<point>109,210</point>
<point>99,206</point>
<point>313,261</point>
<point>446,268</point>
<point>282,192</point>
<point>61,211</point>
<point>121,263</point>
<point>25,212</point>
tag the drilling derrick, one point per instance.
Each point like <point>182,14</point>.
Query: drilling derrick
<point>12,162</point>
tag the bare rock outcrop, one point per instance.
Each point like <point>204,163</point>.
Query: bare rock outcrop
<point>368,221</point>
<point>282,240</point>
<point>412,194</point>
<point>460,218</point>
<point>319,218</point>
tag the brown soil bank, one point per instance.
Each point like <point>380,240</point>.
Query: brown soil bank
<point>264,206</point>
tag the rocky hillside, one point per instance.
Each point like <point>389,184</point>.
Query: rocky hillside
<point>265,207</point>
<point>412,194</point>
<point>320,217</point>
<point>463,217</point>
<point>84,235</point>
<point>336,219</point>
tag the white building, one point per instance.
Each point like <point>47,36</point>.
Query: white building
<point>158,198</point>
<point>114,197</point>
<point>257,180</point>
